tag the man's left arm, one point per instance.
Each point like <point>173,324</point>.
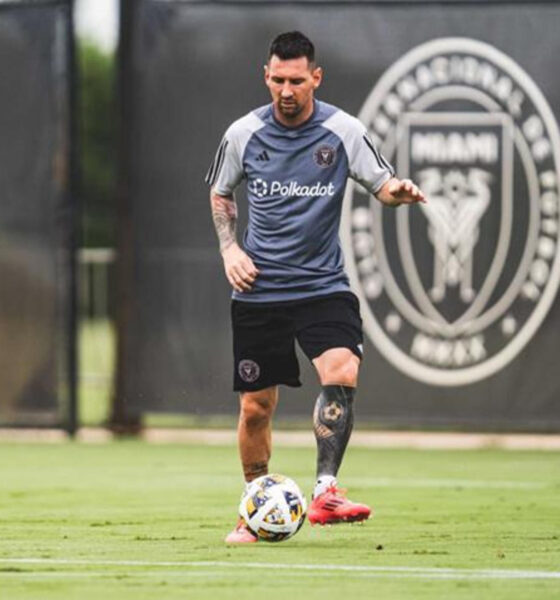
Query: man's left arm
<point>395,192</point>
<point>368,167</point>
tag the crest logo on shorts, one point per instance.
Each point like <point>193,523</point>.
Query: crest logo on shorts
<point>249,371</point>
<point>324,155</point>
<point>454,289</point>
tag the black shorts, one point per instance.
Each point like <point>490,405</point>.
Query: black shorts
<point>264,335</point>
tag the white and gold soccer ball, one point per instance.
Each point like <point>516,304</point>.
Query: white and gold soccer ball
<point>273,507</point>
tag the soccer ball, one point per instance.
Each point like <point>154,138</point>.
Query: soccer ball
<point>273,507</point>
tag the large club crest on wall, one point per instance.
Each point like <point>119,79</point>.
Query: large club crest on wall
<point>453,290</point>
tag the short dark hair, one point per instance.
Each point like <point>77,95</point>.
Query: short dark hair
<point>292,44</point>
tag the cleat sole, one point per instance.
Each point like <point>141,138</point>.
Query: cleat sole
<point>359,518</point>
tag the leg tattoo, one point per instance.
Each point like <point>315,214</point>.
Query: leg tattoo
<point>333,419</point>
<point>254,470</point>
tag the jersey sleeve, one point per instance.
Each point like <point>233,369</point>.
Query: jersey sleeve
<point>366,164</point>
<point>226,170</point>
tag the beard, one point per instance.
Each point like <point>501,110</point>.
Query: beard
<point>290,109</point>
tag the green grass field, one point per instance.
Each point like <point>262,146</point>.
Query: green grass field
<point>129,520</point>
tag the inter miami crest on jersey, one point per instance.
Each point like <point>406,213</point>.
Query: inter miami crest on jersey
<point>324,155</point>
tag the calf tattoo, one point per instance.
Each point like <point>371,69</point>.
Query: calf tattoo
<point>254,470</point>
<point>333,420</point>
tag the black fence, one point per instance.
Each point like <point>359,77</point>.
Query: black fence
<point>37,227</point>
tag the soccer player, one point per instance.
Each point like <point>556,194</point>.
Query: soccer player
<point>288,278</point>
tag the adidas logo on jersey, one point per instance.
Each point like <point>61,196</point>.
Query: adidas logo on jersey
<point>263,156</point>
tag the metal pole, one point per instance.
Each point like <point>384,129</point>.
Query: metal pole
<point>122,421</point>
<point>74,222</point>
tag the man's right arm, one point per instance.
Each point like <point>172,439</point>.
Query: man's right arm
<point>240,269</point>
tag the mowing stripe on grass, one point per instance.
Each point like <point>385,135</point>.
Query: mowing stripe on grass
<point>363,570</point>
<point>436,483</point>
<point>399,482</point>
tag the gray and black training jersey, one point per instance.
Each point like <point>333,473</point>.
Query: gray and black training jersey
<point>296,178</point>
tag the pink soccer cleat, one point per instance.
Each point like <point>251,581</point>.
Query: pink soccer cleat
<point>332,507</point>
<point>241,534</point>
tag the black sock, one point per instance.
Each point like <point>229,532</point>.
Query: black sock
<point>333,419</point>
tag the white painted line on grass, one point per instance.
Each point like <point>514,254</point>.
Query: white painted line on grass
<point>218,573</point>
<point>395,571</point>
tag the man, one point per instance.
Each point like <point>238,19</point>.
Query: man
<point>288,280</point>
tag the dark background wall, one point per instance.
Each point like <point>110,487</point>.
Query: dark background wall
<point>193,68</point>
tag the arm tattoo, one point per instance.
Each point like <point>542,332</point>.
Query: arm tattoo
<point>224,214</point>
